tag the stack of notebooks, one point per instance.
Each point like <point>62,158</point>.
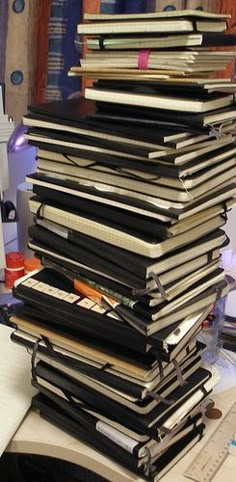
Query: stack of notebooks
<point>132,189</point>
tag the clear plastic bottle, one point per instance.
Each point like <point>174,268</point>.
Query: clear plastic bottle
<point>212,336</point>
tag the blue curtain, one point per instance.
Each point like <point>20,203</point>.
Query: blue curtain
<point>62,54</point>
<point>123,6</point>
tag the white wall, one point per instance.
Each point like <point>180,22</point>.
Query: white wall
<point>20,164</point>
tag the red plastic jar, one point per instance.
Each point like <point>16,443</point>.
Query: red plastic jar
<point>14,268</point>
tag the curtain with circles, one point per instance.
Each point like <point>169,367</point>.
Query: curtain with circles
<point>23,52</point>
<point>36,50</point>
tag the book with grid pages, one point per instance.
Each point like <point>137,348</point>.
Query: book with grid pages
<point>65,195</point>
<point>148,245</point>
<point>173,13</point>
<point>77,312</point>
<point>129,288</point>
<point>101,262</point>
<point>158,101</point>
<point>148,414</point>
<point>225,161</point>
<point>127,390</point>
<point>178,349</point>
<point>121,183</point>
<point>172,41</point>
<point>155,26</point>
<point>53,413</point>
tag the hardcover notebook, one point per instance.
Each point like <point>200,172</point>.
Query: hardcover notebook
<point>132,185</point>
<point>158,102</point>
<point>149,115</point>
<point>64,196</point>
<point>47,288</point>
<point>125,364</point>
<point>50,412</point>
<point>109,379</point>
<point>112,280</point>
<point>152,423</point>
<point>173,347</point>
<point>139,450</point>
<point>119,264</point>
<point>97,17</point>
<point>163,41</point>
<point>154,26</point>
<point>80,115</point>
<point>126,392</point>
<point>149,246</point>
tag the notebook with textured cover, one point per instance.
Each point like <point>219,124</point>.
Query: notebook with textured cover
<point>68,198</point>
<point>50,412</point>
<point>161,415</point>
<point>146,245</point>
<point>154,26</point>
<point>132,42</point>
<point>189,181</point>
<point>138,449</point>
<point>47,288</point>
<point>159,102</point>
<point>127,386</point>
<point>119,182</point>
<point>115,261</point>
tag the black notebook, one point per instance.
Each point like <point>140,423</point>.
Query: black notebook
<point>51,412</point>
<point>92,256</point>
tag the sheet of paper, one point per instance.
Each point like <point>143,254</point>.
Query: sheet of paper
<point>15,386</point>
<point>226,365</point>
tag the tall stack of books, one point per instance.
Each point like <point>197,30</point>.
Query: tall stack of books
<point>132,188</point>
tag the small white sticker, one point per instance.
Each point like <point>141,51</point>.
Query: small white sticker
<point>61,295</point>
<point>30,282</point>
<point>98,309</point>
<point>86,303</point>
<point>71,298</point>
<point>40,286</point>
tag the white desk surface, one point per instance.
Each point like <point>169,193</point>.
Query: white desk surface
<point>37,436</point>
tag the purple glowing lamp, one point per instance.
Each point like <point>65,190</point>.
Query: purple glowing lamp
<point>17,141</point>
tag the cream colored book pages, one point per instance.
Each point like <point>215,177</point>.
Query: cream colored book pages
<point>161,12</point>
<point>161,102</point>
<point>15,386</point>
<point>77,347</point>
<point>143,26</point>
